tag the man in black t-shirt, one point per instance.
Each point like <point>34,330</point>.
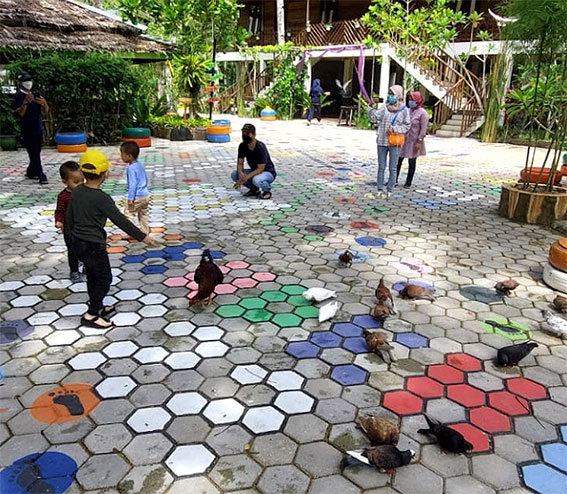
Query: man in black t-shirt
<point>262,172</point>
<point>28,107</point>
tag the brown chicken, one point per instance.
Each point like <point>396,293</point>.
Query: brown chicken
<point>560,304</point>
<point>346,258</point>
<point>381,312</point>
<point>379,430</point>
<point>506,287</point>
<point>417,292</point>
<point>378,343</point>
<point>207,275</point>
<point>384,295</point>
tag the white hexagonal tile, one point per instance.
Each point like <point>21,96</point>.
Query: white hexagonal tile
<point>285,380</point>
<point>153,299</point>
<point>149,419</point>
<point>38,280</point>
<point>182,328</point>
<point>78,287</point>
<point>208,333</point>
<point>88,360</point>
<point>212,349</point>
<point>294,402</point>
<point>62,337</point>
<point>66,283</point>
<point>25,301</point>
<point>151,354</point>
<point>223,411</point>
<point>153,311</point>
<point>120,349</point>
<point>189,403</point>
<point>125,319</point>
<point>263,419</point>
<point>114,387</point>
<point>249,374</point>
<point>43,318</point>
<point>73,310</point>
<point>9,286</point>
<point>128,294</point>
<point>182,360</point>
<point>189,460</point>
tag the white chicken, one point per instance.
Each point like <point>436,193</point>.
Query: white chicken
<point>555,324</point>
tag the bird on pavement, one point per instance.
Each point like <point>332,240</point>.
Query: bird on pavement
<point>449,439</point>
<point>384,295</point>
<point>555,324</point>
<point>379,430</point>
<point>381,312</point>
<point>346,258</point>
<point>511,355</point>
<point>417,292</point>
<point>560,304</point>
<point>506,287</point>
<point>377,342</point>
<point>207,275</point>
<point>385,457</point>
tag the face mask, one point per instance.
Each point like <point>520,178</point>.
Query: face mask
<point>392,99</point>
<point>246,139</point>
<point>412,104</point>
<point>28,84</point>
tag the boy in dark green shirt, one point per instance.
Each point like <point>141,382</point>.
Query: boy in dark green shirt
<point>88,211</point>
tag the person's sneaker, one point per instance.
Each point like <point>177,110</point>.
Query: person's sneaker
<point>76,277</point>
<point>407,186</point>
<point>266,195</point>
<point>388,195</point>
<point>380,194</point>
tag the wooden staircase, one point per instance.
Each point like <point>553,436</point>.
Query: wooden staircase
<point>228,97</point>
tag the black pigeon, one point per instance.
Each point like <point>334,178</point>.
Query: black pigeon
<point>449,439</point>
<point>385,457</point>
<point>511,355</point>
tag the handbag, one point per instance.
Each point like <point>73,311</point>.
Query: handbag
<point>396,140</point>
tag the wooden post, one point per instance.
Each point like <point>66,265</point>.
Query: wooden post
<point>280,15</point>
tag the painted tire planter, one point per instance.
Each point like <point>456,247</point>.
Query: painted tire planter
<point>71,148</point>
<point>180,134</point>
<point>136,132</point>
<point>8,143</point>
<point>221,122</point>
<point>70,138</point>
<point>558,254</point>
<point>535,208</point>
<point>218,138</point>
<point>144,142</point>
<point>268,114</point>
<point>218,130</point>
<point>554,278</point>
<point>199,133</point>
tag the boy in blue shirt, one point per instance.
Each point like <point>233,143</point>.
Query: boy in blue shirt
<point>138,192</point>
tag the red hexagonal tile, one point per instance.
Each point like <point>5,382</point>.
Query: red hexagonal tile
<point>402,403</point>
<point>425,387</point>
<point>245,283</point>
<point>445,374</point>
<point>508,403</point>
<point>490,420</point>
<point>225,288</point>
<point>526,388</point>
<point>237,265</point>
<point>466,395</point>
<point>464,362</point>
<point>264,276</point>
<point>479,439</point>
<point>174,282</point>
<point>224,269</point>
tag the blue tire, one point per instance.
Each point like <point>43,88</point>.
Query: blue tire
<point>70,138</point>
<point>218,138</point>
<point>221,122</point>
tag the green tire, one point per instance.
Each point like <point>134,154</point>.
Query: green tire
<point>136,132</point>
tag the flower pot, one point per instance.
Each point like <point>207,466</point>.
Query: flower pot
<point>180,134</point>
<point>199,133</point>
<point>558,254</point>
<point>533,207</point>
<point>526,176</point>
<point>8,143</point>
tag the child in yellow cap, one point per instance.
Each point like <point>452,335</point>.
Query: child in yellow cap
<point>86,216</point>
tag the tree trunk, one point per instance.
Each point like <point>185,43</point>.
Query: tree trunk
<point>280,13</point>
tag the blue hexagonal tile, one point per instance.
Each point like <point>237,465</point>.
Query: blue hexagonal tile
<point>174,256</point>
<point>347,329</point>
<point>367,322</point>
<point>411,340</point>
<point>132,259</point>
<point>371,241</point>
<point>564,432</point>
<point>175,249</point>
<point>349,375</point>
<point>555,454</point>
<point>356,345</point>
<point>326,339</point>
<point>11,331</point>
<point>192,245</point>
<point>544,480</point>
<point>302,349</point>
<point>154,254</point>
<point>156,269</point>
<point>217,254</point>
<point>399,285</point>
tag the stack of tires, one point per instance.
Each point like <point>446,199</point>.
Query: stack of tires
<point>268,114</point>
<point>219,131</point>
<point>139,135</point>
<point>71,142</point>
<point>555,271</point>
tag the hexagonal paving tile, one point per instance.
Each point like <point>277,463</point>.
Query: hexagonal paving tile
<point>285,380</point>
<point>149,419</point>
<point>294,402</point>
<point>186,403</point>
<point>189,460</point>
<point>223,411</point>
<point>115,387</point>
<point>263,419</point>
<point>249,374</point>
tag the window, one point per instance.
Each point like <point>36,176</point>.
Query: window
<point>329,11</point>
<point>254,18</point>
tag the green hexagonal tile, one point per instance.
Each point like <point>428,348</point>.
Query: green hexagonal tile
<point>307,312</point>
<point>289,229</point>
<point>274,296</point>
<point>287,320</point>
<point>230,311</point>
<point>258,315</point>
<point>279,216</point>
<point>312,238</point>
<point>267,222</point>
<point>253,303</point>
<point>298,301</point>
<point>293,289</point>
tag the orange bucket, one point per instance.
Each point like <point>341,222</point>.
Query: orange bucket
<point>558,254</point>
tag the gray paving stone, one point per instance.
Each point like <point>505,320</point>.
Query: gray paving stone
<point>107,438</point>
<point>283,480</point>
<point>235,472</point>
<point>194,485</point>
<point>102,471</point>
<point>514,449</point>
<point>274,449</point>
<point>496,471</point>
<point>466,485</point>
<point>229,440</point>
<point>188,430</point>
<point>148,449</point>
<point>416,478</point>
<point>446,465</point>
<point>149,479</point>
<point>335,411</point>
<point>306,428</point>
<point>318,459</point>
<point>334,483</point>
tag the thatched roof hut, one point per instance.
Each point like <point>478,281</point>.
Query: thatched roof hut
<point>42,25</point>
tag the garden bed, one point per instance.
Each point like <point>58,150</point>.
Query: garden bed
<point>176,128</point>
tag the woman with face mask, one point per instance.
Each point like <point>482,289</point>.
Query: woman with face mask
<point>393,122</point>
<point>414,145</point>
<point>28,107</point>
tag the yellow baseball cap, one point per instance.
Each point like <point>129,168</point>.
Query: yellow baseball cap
<point>94,161</point>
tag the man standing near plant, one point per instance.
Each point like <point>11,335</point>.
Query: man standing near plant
<point>28,106</point>
<point>258,179</point>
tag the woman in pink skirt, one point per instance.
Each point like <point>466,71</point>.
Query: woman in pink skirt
<point>414,146</point>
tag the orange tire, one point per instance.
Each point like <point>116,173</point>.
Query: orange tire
<point>218,130</point>
<point>143,142</point>
<point>71,148</point>
<point>269,118</point>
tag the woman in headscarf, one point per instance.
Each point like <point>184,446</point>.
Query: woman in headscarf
<point>392,118</point>
<point>414,145</point>
<point>315,95</point>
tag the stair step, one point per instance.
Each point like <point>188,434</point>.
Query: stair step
<point>448,133</point>
<point>452,125</point>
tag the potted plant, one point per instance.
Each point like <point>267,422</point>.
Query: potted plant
<point>540,25</point>
<point>8,124</point>
<point>190,75</point>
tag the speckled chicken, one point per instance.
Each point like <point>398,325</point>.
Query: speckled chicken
<point>377,342</point>
<point>346,258</point>
<point>560,304</point>
<point>417,292</point>
<point>506,287</point>
<point>207,275</point>
<point>381,312</point>
<point>384,295</point>
<point>379,430</point>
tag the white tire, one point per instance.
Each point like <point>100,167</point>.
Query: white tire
<point>554,278</point>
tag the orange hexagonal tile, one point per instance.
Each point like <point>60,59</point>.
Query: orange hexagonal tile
<point>466,395</point>
<point>425,387</point>
<point>173,237</point>
<point>445,374</point>
<point>403,403</point>
<point>508,403</point>
<point>157,230</point>
<point>116,249</point>
<point>479,439</point>
<point>464,362</point>
<point>526,388</point>
<point>490,420</point>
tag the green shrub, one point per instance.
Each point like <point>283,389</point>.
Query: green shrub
<point>92,92</point>
<point>174,121</point>
<point>8,124</point>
